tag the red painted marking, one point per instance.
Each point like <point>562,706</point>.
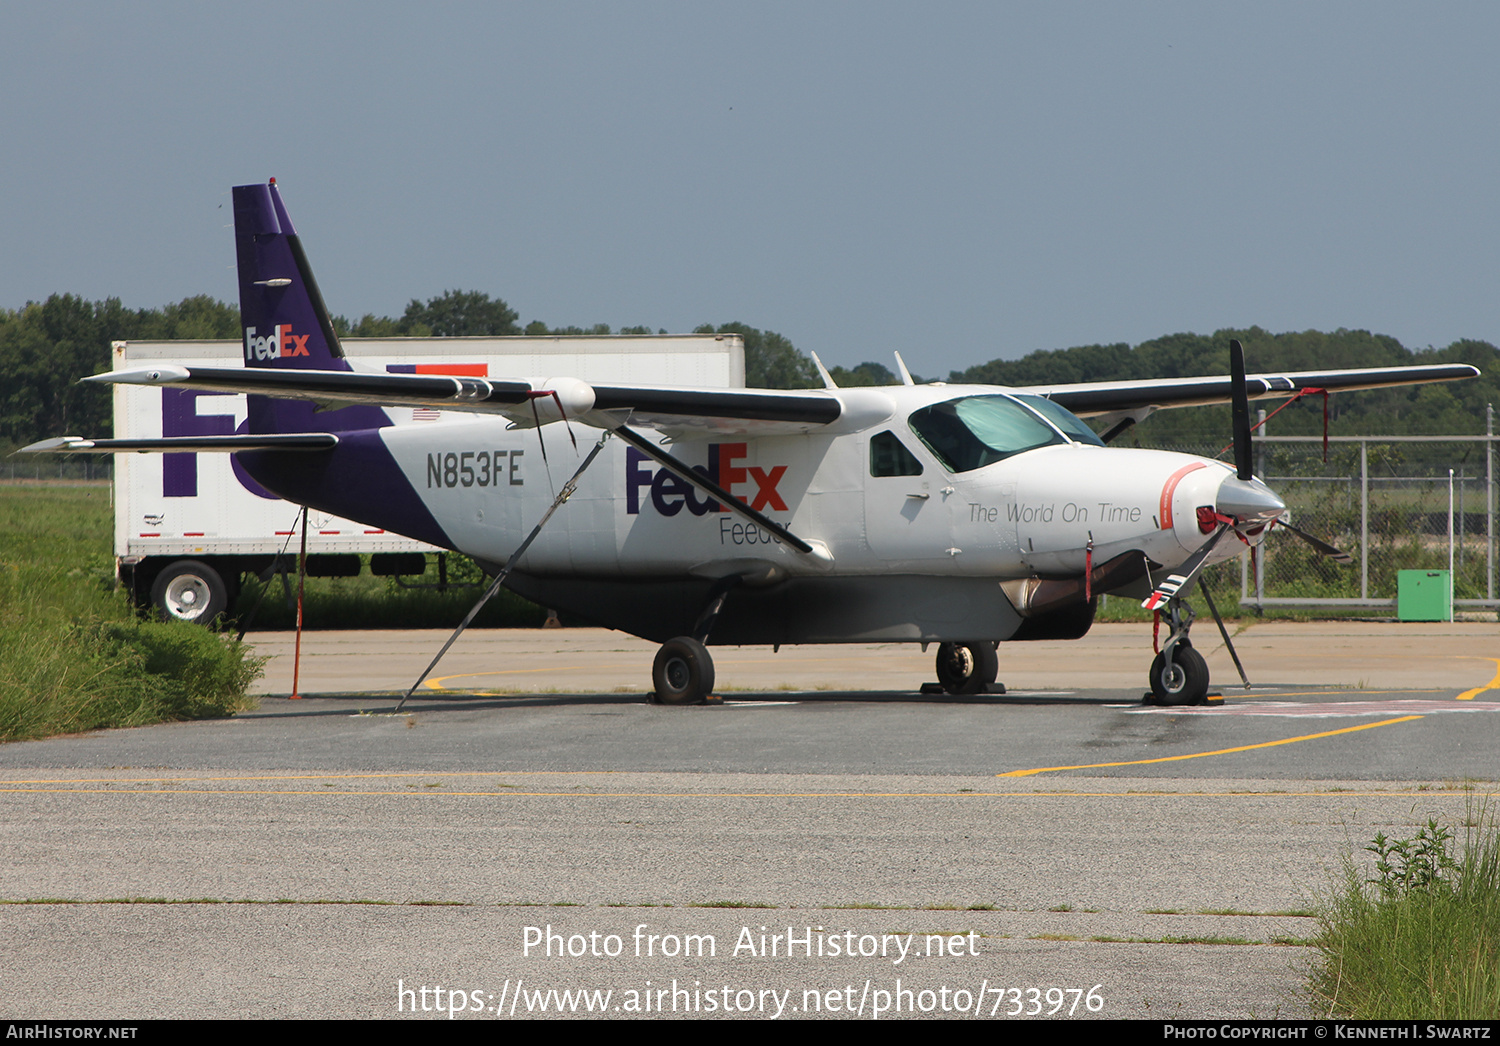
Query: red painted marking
<point>464,370</point>
<point>374,532</point>
<point>1170,488</point>
<point>765,493</point>
<point>144,535</point>
<point>730,474</point>
<point>279,533</point>
<point>192,533</point>
<point>328,532</point>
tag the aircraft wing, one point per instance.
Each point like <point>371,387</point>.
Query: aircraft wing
<point>723,410</point>
<point>1123,397</point>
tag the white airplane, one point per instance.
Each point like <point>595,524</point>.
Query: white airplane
<point>962,515</point>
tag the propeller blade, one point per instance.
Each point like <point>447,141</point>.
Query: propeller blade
<point>1336,554</point>
<point>1190,569</point>
<point>1240,410</point>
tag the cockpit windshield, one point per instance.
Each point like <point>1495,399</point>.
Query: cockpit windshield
<point>1072,425</point>
<point>976,431</point>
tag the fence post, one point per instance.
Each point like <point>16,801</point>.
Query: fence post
<point>1364,519</point>
<point>1489,501</point>
<point>1260,555</point>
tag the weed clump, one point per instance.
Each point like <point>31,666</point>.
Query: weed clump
<point>1419,940</point>
<point>73,654</point>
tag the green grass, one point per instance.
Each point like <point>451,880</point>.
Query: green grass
<point>73,654</point>
<point>1421,940</point>
<point>367,601</point>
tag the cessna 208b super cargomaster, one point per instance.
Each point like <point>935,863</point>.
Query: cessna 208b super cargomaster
<point>952,514</point>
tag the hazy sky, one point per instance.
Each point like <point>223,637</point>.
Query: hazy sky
<point>957,181</point>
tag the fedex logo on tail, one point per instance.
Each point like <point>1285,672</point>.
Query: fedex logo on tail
<point>669,493</point>
<point>280,342</point>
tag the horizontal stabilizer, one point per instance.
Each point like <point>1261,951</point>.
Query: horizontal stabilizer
<point>436,390</point>
<point>170,444</point>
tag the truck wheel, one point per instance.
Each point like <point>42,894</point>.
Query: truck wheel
<point>189,590</point>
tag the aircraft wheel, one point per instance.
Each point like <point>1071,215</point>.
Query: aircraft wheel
<point>1187,681</point>
<point>683,673</point>
<point>189,591</point>
<point>967,668</point>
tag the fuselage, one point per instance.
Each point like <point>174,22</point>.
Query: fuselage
<point>900,488</point>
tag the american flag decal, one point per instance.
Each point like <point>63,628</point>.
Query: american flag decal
<point>466,370</point>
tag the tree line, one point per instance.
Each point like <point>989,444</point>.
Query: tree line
<point>45,347</point>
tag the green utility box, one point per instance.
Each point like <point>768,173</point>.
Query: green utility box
<point>1423,595</point>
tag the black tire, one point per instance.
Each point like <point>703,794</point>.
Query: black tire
<point>189,590</point>
<point>967,668</point>
<point>1186,683</point>
<point>683,673</point>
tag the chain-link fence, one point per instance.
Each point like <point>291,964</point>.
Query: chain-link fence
<point>38,468</point>
<point>1393,503</point>
<point>1383,499</point>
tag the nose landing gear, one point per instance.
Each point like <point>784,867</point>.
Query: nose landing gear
<point>1179,675</point>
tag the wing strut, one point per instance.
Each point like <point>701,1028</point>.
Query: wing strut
<point>515,557</point>
<point>708,486</point>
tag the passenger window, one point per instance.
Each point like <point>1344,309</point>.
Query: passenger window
<point>888,457</point>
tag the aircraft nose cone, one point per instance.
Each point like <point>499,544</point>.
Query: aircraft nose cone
<point>1248,500</point>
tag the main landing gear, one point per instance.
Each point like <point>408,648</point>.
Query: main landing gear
<point>967,668</point>
<point>683,673</point>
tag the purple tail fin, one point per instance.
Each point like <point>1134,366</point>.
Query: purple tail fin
<point>286,325</point>
<point>282,315</point>
<point>285,321</point>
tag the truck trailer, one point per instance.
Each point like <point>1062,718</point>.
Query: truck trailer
<point>190,526</point>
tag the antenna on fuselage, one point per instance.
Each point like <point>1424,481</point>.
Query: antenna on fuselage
<point>828,382</point>
<point>906,378</point>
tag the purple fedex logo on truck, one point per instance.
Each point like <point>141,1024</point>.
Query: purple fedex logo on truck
<point>180,417</point>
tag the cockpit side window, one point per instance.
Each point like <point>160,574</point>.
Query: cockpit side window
<point>888,457</point>
<point>976,431</point>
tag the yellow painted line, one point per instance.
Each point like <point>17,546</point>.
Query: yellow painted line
<point>1493,684</point>
<point>1221,751</point>
<point>437,682</point>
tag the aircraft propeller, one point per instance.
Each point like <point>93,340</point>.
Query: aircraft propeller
<point>1338,555</point>
<point>1244,498</point>
<point>1245,506</point>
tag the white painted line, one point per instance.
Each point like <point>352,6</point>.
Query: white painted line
<point>1320,710</point>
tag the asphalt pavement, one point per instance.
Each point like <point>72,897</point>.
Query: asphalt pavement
<point>1059,850</point>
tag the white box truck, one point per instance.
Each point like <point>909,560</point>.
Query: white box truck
<point>189,527</point>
